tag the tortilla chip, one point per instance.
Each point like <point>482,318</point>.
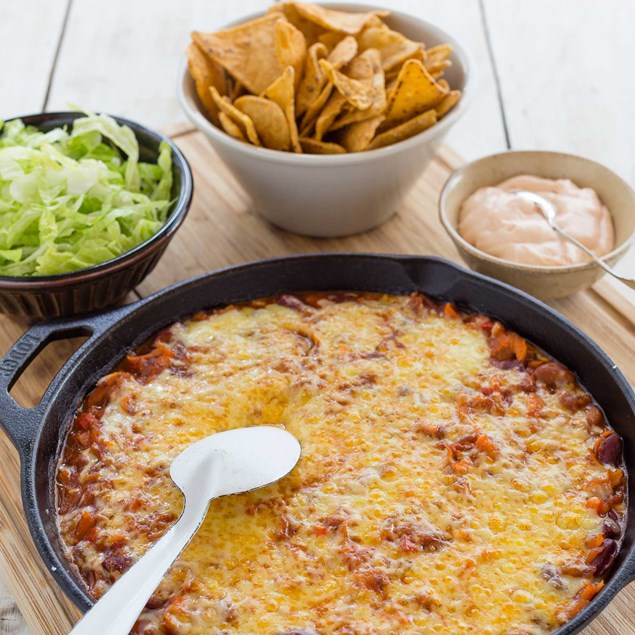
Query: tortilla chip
<point>357,93</point>
<point>281,92</point>
<point>236,89</point>
<point>269,120</point>
<point>415,92</point>
<point>367,69</point>
<point>247,51</point>
<point>340,21</point>
<point>245,123</point>
<point>313,79</point>
<point>392,74</point>
<point>331,39</point>
<point>438,70</point>
<point>438,54</point>
<point>390,88</point>
<point>376,20</point>
<point>205,73</point>
<point>393,47</point>
<point>420,55</point>
<point>308,78</point>
<point>290,46</point>
<point>364,66</point>
<point>357,136</point>
<point>231,127</point>
<point>448,103</point>
<point>343,53</point>
<point>328,115</point>
<point>312,146</point>
<point>314,109</point>
<point>311,31</point>
<point>405,130</point>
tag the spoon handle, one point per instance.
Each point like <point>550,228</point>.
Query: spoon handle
<point>627,281</point>
<point>548,210</point>
<point>118,610</point>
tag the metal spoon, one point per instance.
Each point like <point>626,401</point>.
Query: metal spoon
<point>221,464</point>
<point>548,210</point>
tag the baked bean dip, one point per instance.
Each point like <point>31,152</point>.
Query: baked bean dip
<point>454,479</point>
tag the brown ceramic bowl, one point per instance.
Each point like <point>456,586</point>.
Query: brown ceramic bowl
<point>94,288</point>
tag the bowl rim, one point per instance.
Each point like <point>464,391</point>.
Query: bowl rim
<point>195,115</point>
<point>180,208</point>
<point>462,243</point>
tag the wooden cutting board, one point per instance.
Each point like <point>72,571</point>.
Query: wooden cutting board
<point>223,228</point>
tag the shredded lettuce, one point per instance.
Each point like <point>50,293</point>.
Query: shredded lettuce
<point>71,199</point>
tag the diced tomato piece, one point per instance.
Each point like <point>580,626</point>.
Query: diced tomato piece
<point>84,525</point>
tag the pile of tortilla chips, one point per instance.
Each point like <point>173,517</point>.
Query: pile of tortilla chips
<point>304,78</point>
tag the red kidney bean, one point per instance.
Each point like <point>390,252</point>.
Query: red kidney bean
<point>611,528</point>
<point>609,450</point>
<point>554,374</point>
<point>115,562</point>
<point>574,401</point>
<point>506,364</point>
<point>603,561</point>
<point>158,600</point>
<point>594,416</point>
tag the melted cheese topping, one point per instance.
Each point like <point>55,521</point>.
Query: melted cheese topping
<point>395,520</point>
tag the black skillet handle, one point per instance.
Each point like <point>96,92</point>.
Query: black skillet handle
<point>20,423</point>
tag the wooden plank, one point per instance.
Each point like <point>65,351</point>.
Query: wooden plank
<point>480,131</point>
<point>41,602</point>
<point>616,292</point>
<point>566,76</point>
<point>11,622</point>
<point>621,298</point>
<point>29,34</point>
<point>135,50</point>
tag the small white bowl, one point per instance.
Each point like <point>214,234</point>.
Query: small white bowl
<point>335,195</point>
<point>541,281</point>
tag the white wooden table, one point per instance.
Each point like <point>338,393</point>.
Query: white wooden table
<point>552,74</point>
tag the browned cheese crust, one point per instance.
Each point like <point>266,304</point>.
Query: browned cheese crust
<point>454,479</point>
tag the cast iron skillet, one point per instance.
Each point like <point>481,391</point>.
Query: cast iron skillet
<point>38,433</point>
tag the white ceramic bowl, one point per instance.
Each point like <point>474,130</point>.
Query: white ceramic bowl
<point>335,195</point>
<point>541,281</point>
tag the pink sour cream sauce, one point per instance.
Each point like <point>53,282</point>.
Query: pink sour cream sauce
<point>499,223</point>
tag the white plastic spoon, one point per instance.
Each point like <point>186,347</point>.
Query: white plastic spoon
<point>547,209</point>
<point>225,463</point>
